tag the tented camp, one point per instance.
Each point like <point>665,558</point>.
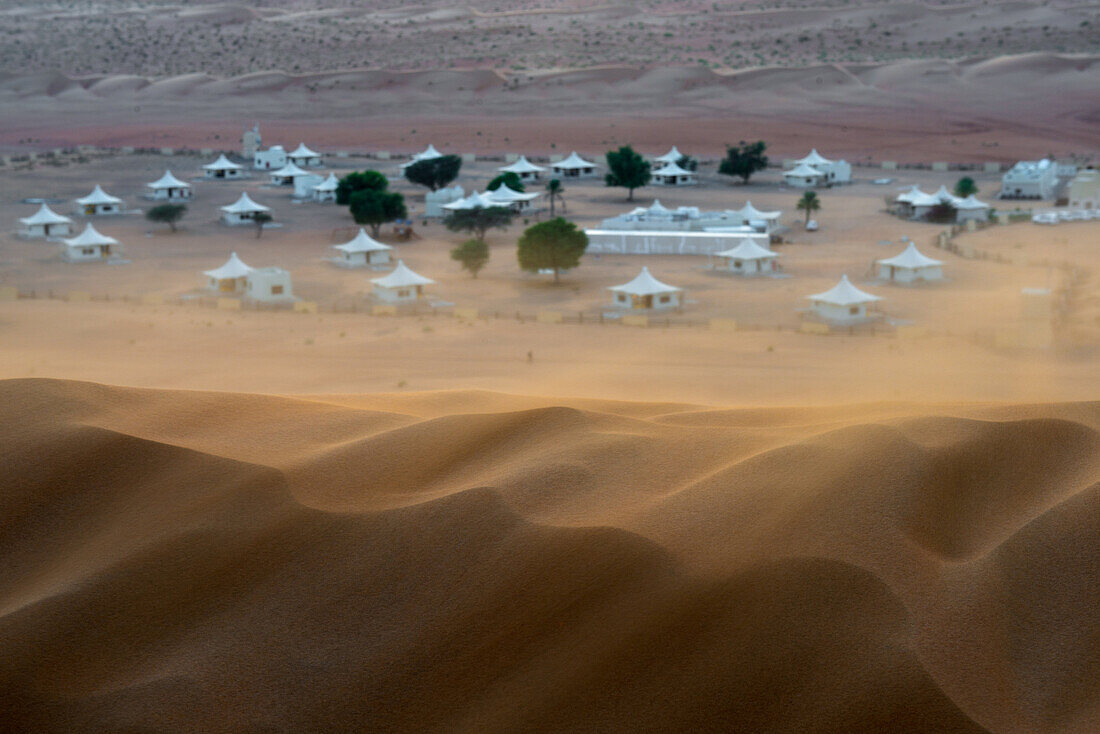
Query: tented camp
<point>910,266</point>
<point>223,168</point>
<point>400,286</point>
<point>518,201</point>
<point>436,201</point>
<point>671,174</point>
<point>90,245</point>
<point>361,252</point>
<point>229,278</point>
<point>271,159</point>
<point>646,292</point>
<point>803,176</point>
<point>525,169</point>
<point>843,303</point>
<point>45,223</point>
<point>242,211</point>
<point>98,202</point>
<point>749,258</point>
<point>326,190</point>
<point>915,204</point>
<point>760,221</point>
<point>473,201</point>
<point>268,285</point>
<point>429,153</point>
<point>169,188</point>
<point>833,172</point>
<point>303,156</point>
<point>574,167</point>
<point>672,156</point>
<point>285,176</point>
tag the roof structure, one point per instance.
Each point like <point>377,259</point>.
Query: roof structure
<point>401,277</point>
<point>672,156</point>
<point>303,152</point>
<point>329,184</point>
<point>574,161</point>
<point>222,164</point>
<point>750,212</point>
<point>290,170</point>
<point>168,181</point>
<point>656,209</point>
<point>98,196</point>
<point>473,201</point>
<point>234,268</point>
<point>505,194</point>
<point>970,202</point>
<point>245,205</point>
<point>911,258</point>
<point>44,215</point>
<point>844,294</point>
<point>362,243</point>
<point>673,169</point>
<point>427,154</point>
<point>521,166</point>
<point>90,237</point>
<point>813,159</point>
<point>803,170</point>
<point>748,250</point>
<point>644,285</point>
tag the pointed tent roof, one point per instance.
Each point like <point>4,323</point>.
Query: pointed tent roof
<point>919,198</point>
<point>911,258</point>
<point>644,285</point>
<point>970,202</point>
<point>90,237</point>
<point>574,161</point>
<point>329,184</point>
<point>426,155</point>
<point>672,156</point>
<point>44,215</point>
<point>362,243</point>
<point>750,212</point>
<point>844,294</point>
<point>813,159</point>
<point>303,152</point>
<point>98,196</point>
<point>657,208</point>
<point>290,170</point>
<point>505,194</point>
<point>748,250</point>
<point>521,166</point>
<point>401,277</point>
<point>908,196</point>
<point>244,205</point>
<point>222,164</point>
<point>473,201</point>
<point>168,181</point>
<point>946,197</point>
<point>234,268</point>
<point>803,170</point>
<point>673,169</point>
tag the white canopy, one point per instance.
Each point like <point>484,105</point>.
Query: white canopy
<point>748,250</point>
<point>813,159</point>
<point>428,154</point>
<point>362,243</point>
<point>245,205</point>
<point>90,238</point>
<point>44,215</point>
<point>473,201</point>
<point>574,161</point>
<point>844,294</point>
<point>290,170</point>
<point>98,196</point>
<point>970,202</point>
<point>234,268</point>
<point>329,184</point>
<point>644,285</point>
<point>521,166</point>
<point>672,156</point>
<point>504,194</point>
<point>908,196</point>
<point>911,258</point>
<point>673,169</point>
<point>802,170</point>
<point>168,181</point>
<point>750,212</point>
<point>303,152</point>
<point>401,277</point>
<point>222,164</point>
<point>656,208</point>
<point>919,198</point>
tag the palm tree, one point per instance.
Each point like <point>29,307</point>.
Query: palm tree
<point>554,190</point>
<point>965,187</point>
<point>809,203</point>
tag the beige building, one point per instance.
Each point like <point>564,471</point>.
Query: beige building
<point>1084,189</point>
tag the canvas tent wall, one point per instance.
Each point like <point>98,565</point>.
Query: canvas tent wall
<point>843,303</point>
<point>169,188</point>
<point>910,266</point>
<point>98,203</point>
<point>230,278</point>
<point>646,292</point>
<point>671,174</point>
<point>303,156</point>
<point>574,167</point>
<point>45,223</point>
<point>90,245</point>
<point>749,258</point>
<point>362,251</point>
<point>242,211</point>
<point>223,168</point>
<point>400,286</point>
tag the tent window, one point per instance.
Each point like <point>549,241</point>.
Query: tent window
<point>88,251</point>
<point>403,293</point>
<point>853,310</point>
<point>276,290</point>
<point>665,299</point>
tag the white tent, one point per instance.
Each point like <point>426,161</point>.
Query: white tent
<point>242,210</point>
<point>671,174</point>
<point>90,245</point>
<point>749,258</point>
<point>45,223</point>
<point>843,303</point>
<point>832,172</point>
<point>303,156</point>
<point>429,153</point>
<point>970,208</point>
<point>473,201</point>
<point>170,188</point>
<point>672,156</point>
<point>400,286</point>
<point>525,169</point>
<point>574,167</point>
<point>750,213</point>
<point>362,251</point>
<point>99,202</point>
<point>223,168</point>
<point>803,176</point>
<point>910,266</point>
<point>230,277</point>
<point>645,291</point>
<point>504,195</point>
<point>326,190</point>
<point>285,176</point>
<point>814,159</point>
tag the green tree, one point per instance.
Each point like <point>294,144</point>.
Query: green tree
<point>260,219</point>
<point>166,214</point>
<point>809,203</point>
<point>473,254</point>
<point>375,208</point>
<point>628,170</point>
<point>554,191</point>
<point>688,163</point>
<point>965,187</point>
<point>359,181</point>
<point>744,160</point>
<point>435,173</point>
<point>555,244</point>
<point>478,220</point>
<point>509,179</point>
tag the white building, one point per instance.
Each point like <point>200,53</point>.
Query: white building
<point>970,208</point>
<point>223,168</point>
<point>671,174</point>
<point>303,156</point>
<point>435,202</point>
<point>652,242</point>
<point>271,159</point>
<point>169,188</point>
<point>760,221</point>
<point>646,292</point>
<point>361,252</point>
<point>843,303</point>
<point>833,172</point>
<point>915,204</point>
<point>672,156</point>
<point>285,176</point>
<point>910,266</point>
<point>525,169</point>
<point>400,286</point>
<point>691,219</point>
<point>574,167</point>
<point>99,202</point>
<point>230,278</point>
<point>803,176</point>
<point>90,245</point>
<point>45,223</point>
<point>268,285</point>
<point>242,211</point>
<point>1030,180</point>
<point>1084,189</point>
<point>749,258</point>
<point>428,154</point>
<point>326,190</point>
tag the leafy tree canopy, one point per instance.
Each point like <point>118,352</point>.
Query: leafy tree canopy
<point>166,214</point>
<point>473,254</point>
<point>744,160</point>
<point>555,244</point>
<point>509,179</point>
<point>627,170</point>
<point>359,181</point>
<point>965,187</point>
<point>478,220</point>
<point>375,208</point>
<point>435,173</point>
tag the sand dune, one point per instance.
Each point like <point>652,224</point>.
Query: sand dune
<point>472,561</point>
